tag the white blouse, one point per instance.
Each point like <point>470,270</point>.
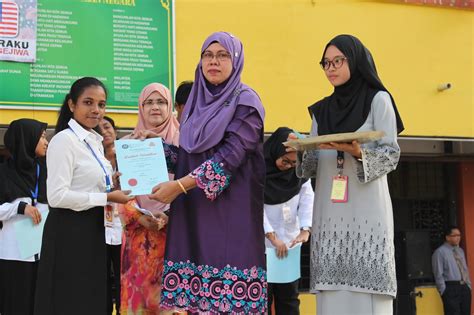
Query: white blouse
<point>76,180</point>
<point>286,219</point>
<point>9,249</point>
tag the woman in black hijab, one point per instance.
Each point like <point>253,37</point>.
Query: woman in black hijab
<point>22,197</point>
<point>288,213</point>
<point>352,250</point>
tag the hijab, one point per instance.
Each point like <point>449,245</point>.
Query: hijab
<point>209,109</point>
<point>348,107</point>
<point>169,129</point>
<point>18,175</point>
<point>280,186</point>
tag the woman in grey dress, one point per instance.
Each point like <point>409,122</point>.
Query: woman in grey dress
<point>352,250</point>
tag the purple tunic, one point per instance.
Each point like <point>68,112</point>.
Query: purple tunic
<point>215,253</point>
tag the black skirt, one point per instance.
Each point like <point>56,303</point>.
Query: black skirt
<point>17,287</point>
<point>72,274</point>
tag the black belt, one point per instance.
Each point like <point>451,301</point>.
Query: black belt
<point>456,282</point>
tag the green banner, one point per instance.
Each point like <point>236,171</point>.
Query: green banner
<point>125,43</point>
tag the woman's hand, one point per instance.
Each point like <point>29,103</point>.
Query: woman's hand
<point>34,213</point>
<point>151,223</point>
<point>162,217</point>
<point>119,196</point>
<point>301,238</point>
<point>143,134</point>
<point>280,247</point>
<point>166,192</point>
<point>291,136</point>
<point>351,148</point>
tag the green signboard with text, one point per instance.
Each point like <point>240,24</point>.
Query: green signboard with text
<point>125,43</point>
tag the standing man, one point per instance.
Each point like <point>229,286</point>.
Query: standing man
<point>451,274</point>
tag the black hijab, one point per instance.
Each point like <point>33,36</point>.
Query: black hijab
<point>347,108</point>
<point>18,173</point>
<point>280,186</point>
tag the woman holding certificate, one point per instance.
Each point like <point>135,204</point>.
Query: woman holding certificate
<point>72,274</point>
<point>214,261</point>
<point>22,201</point>
<point>352,250</point>
<point>144,237</point>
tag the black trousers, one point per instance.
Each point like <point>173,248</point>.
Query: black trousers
<point>113,278</point>
<point>457,299</point>
<point>286,298</point>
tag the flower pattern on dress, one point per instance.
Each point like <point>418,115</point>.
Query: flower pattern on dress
<point>211,177</point>
<point>142,264</point>
<point>343,255</point>
<point>377,162</point>
<point>307,164</point>
<point>209,290</point>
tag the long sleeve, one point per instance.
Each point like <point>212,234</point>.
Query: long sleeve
<point>382,158</point>
<point>242,137</point>
<point>267,227</point>
<point>437,262</point>
<point>10,209</point>
<point>75,178</point>
<point>305,205</point>
<point>307,161</point>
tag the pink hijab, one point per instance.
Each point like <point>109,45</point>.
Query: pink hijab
<point>168,130</point>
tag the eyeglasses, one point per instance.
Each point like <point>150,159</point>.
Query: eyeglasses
<point>220,56</point>
<point>159,102</point>
<point>287,162</point>
<point>336,63</point>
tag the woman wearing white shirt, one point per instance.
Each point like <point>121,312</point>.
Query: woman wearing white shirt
<point>113,225</point>
<point>22,195</point>
<point>72,273</point>
<point>288,212</point>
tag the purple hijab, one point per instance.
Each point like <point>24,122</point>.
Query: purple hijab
<point>210,109</point>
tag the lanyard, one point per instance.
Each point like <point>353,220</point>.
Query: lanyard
<point>340,162</point>
<point>34,194</point>
<point>108,187</point>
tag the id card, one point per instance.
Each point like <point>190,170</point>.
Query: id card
<point>286,213</point>
<point>108,215</point>
<point>339,189</point>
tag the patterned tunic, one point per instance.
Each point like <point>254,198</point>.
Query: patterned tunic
<point>214,261</point>
<point>352,245</point>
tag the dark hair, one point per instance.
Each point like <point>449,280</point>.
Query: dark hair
<point>450,229</point>
<point>77,88</point>
<point>111,121</point>
<point>182,93</point>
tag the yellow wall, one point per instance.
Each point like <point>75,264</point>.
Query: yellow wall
<point>416,48</point>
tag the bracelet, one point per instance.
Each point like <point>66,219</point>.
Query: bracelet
<point>182,187</point>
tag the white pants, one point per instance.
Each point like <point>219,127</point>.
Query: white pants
<point>353,303</point>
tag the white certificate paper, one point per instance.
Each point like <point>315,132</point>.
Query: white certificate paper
<point>142,164</point>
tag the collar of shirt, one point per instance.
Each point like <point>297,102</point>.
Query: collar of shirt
<point>83,133</point>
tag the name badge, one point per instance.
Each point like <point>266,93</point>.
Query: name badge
<point>286,214</point>
<point>339,189</point>
<point>108,215</point>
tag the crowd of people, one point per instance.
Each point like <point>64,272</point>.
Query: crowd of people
<point>230,197</point>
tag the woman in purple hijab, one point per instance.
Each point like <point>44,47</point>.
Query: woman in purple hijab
<point>214,260</point>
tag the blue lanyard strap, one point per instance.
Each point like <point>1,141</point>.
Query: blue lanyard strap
<point>34,194</point>
<point>108,187</point>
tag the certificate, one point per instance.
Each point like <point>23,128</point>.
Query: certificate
<point>142,164</point>
<point>283,270</point>
<point>313,142</point>
<point>29,235</point>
